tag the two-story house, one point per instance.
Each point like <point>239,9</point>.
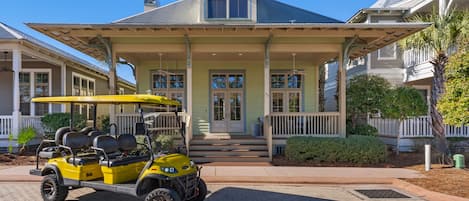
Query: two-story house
<point>234,63</point>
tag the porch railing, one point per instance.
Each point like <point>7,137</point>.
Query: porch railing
<point>5,126</point>
<point>34,122</point>
<point>321,124</point>
<point>156,122</point>
<point>414,57</point>
<point>414,128</point>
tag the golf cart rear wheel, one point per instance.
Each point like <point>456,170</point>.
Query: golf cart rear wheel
<point>51,190</point>
<point>201,191</point>
<point>162,194</point>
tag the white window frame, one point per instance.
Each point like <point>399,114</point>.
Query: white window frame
<point>32,85</point>
<point>170,91</point>
<point>89,79</point>
<point>286,92</point>
<point>227,17</point>
<point>394,57</point>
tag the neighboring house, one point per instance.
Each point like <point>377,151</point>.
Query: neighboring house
<point>233,63</point>
<point>31,68</point>
<point>398,66</point>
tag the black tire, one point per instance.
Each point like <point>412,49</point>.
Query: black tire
<point>162,194</point>
<point>201,191</point>
<point>51,190</point>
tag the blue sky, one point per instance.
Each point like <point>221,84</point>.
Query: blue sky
<point>17,12</point>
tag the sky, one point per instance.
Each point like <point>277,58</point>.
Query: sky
<point>17,12</point>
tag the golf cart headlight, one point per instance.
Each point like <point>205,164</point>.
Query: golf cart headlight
<point>170,170</point>
<point>192,164</point>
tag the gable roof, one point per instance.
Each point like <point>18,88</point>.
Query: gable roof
<point>188,12</point>
<point>10,33</point>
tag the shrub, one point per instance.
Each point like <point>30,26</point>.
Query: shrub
<point>10,143</point>
<point>25,136</point>
<point>59,120</point>
<point>166,141</point>
<point>361,129</point>
<point>105,124</point>
<point>354,149</point>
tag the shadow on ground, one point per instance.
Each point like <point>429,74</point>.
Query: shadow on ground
<point>105,195</point>
<point>237,194</point>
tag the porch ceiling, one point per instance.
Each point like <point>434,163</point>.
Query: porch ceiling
<point>372,36</point>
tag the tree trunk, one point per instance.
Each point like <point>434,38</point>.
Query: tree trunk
<point>438,88</point>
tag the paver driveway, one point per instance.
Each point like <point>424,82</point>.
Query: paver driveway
<point>218,192</point>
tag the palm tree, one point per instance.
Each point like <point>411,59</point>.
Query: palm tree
<point>442,36</point>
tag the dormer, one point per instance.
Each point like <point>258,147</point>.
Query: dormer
<point>233,10</point>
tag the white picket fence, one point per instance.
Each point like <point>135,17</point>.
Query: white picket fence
<point>166,121</point>
<point>419,127</point>
<point>5,126</point>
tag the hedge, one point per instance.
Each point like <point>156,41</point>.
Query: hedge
<point>354,149</point>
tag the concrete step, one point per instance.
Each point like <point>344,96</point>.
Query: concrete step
<point>230,159</point>
<point>229,142</point>
<point>228,153</point>
<point>228,147</point>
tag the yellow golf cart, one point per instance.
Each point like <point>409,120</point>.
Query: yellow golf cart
<point>91,158</point>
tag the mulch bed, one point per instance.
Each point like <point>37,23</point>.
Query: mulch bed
<point>16,160</point>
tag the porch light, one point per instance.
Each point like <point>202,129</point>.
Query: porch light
<point>5,68</point>
<point>214,54</point>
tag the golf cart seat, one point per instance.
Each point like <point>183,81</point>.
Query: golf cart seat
<point>76,142</point>
<point>92,135</point>
<point>53,152</point>
<point>111,147</point>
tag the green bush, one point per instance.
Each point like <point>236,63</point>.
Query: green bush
<point>361,129</point>
<point>10,143</point>
<point>25,136</point>
<point>59,120</point>
<point>354,149</point>
<point>166,141</point>
<point>105,124</point>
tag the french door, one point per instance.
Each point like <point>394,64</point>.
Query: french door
<point>227,103</point>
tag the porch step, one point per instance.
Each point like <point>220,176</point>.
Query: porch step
<point>229,150</point>
<point>229,159</point>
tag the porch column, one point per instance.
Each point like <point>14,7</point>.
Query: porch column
<point>189,75</point>
<point>16,115</point>
<point>63,85</point>
<point>112,85</point>
<point>267,76</point>
<point>342,94</point>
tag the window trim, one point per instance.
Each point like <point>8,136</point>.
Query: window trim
<point>32,84</point>
<point>227,17</point>
<point>394,57</point>
<point>168,90</point>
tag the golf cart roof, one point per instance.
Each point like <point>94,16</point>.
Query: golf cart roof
<point>109,99</point>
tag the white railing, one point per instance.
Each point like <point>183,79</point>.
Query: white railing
<point>154,121</point>
<point>306,124</point>
<point>414,128</point>
<point>5,126</point>
<point>414,57</point>
<point>33,122</point>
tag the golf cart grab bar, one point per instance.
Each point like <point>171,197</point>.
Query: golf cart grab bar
<point>39,150</point>
<point>105,155</point>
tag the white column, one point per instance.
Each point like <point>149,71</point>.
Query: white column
<point>267,77</point>
<point>63,89</point>
<point>112,86</point>
<point>16,92</point>
<point>442,7</point>
<point>189,76</point>
<point>342,94</point>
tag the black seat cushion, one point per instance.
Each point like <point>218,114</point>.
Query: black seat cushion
<point>127,142</point>
<point>107,143</point>
<point>59,134</point>
<point>92,135</point>
<point>75,141</point>
<point>50,152</point>
<point>123,161</point>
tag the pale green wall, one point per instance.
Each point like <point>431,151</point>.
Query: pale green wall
<point>254,86</point>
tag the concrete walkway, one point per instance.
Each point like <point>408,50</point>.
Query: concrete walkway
<point>267,174</point>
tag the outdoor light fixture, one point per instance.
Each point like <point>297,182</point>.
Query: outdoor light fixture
<point>5,68</point>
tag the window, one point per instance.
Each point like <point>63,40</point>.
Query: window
<point>356,62</point>
<point>34,83</point>
<point>388,53</point>
<point>169,85</point>
<point>287,92</point>
<point>227,9</point>
<point>83,86</point>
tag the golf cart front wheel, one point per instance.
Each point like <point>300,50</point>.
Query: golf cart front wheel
<point>51,190</point>
<point>201,191</point>
<point>162,194</point>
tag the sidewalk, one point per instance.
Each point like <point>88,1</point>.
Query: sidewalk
<point>266,174</point>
